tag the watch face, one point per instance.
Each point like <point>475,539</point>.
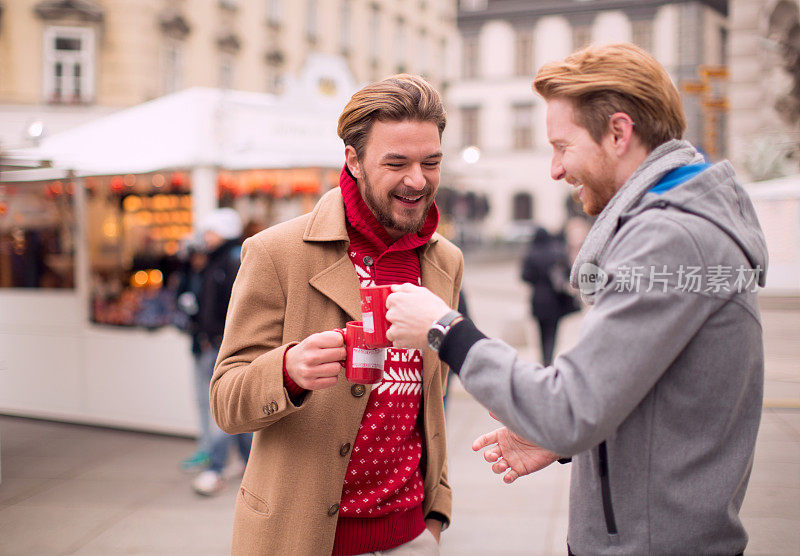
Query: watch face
<point>435,337</point>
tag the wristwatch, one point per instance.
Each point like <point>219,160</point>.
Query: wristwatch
<point>441,327</point>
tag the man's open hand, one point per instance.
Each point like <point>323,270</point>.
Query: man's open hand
<point>507,451</point>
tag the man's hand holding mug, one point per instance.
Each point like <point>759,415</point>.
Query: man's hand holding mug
<point>314,363</point>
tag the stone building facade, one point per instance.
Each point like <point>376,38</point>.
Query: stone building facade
<point>63,62</point>
<point>501,45</point>
<point>764,90</point>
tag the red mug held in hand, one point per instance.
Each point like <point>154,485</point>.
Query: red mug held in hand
<point>362,364</point>
<point>373,315</point>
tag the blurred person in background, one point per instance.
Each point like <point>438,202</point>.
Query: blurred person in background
<point>546,268</point>
<point>336,467</point>
<point>188,294</point>
<point>221,231</point>
<point>659,402</point>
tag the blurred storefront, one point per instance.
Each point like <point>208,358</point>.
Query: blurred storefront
<point>91,250</point>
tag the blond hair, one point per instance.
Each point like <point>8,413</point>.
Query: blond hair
<point>601,81</point>
<point>396,98</point>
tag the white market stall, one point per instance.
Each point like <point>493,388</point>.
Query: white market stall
<point>777,203</point>
<point>56,361</point>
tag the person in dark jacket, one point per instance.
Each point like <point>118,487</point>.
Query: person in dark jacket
<point>187,295</point>
<point>221,230</point>
<point>546,268</point>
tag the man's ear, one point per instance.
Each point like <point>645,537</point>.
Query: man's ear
<point>620,127</point>
<point>351,159</point>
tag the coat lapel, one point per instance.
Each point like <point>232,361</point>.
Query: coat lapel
<point>337,280</point>
<point>339,283</point>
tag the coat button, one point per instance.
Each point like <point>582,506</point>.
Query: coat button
<point>358,390</point>
<point>333,509</point>
<point>343,451</point>
<point>368,260</point>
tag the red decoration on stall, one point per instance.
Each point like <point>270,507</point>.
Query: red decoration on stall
<point>305,186</point>
<point>267,181</point>
<point>178,181</point>
<point>305,180</point>
<point>117,184</point>
<point>227,185</point>
<point>3,208</point>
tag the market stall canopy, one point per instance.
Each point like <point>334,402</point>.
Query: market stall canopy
<point>777,203</point>
<point>205,127</point>
<point>779,188</point>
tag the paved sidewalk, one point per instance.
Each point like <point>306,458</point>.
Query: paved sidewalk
<point>72,489</point>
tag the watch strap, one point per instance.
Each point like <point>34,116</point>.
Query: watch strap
<point>448,319</point>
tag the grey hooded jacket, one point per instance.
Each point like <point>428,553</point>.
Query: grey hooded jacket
<point>659,401</point>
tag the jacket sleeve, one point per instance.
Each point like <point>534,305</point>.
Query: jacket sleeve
<point>247,391</point>
<point>625,344</point>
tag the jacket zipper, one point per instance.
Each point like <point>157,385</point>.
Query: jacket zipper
<point>605,489</point>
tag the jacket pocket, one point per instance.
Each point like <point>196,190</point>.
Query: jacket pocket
<point>605,490</point>
<point>253,503</point>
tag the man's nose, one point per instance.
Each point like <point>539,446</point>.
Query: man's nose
<point>557,171</point>
<point>414,178</point>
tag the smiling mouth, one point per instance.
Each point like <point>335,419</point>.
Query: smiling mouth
<point>409,199</point>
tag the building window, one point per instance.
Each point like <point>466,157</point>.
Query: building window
<point>274,12</point>
<point>226,71</point>
<point>581,36</point>
<point>274,77</point>
<point>474,5</point>
<point>443,67</point>
<point>423,53</point>
<point>522,125</point>
<point>470,126</point>
<point>522,206</point>
<point>642,33</point>
<point>344,26</point>
<point>469,62</point>
<point>172,66</point>
<point>400,45</point>
<point>312,28</point>
<point>524,53</point>
<point>374,35</point>
<point>68,65</point>
<point>723,46</point>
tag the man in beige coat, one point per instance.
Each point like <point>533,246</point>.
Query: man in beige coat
<point>315,447</point>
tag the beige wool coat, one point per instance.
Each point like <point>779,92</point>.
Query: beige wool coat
<point>296,279</point>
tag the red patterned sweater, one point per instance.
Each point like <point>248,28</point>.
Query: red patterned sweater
<point>382,494</point>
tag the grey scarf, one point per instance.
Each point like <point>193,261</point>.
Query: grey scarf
<point>665,158</point>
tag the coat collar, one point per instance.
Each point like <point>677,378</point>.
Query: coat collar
<point>328,220</point>
<point>338,281</point>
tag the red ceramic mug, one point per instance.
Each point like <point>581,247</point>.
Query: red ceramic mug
<point>362,364</point>
<point>373,315</point>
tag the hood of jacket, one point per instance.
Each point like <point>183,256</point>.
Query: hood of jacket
<point>716,195</point>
